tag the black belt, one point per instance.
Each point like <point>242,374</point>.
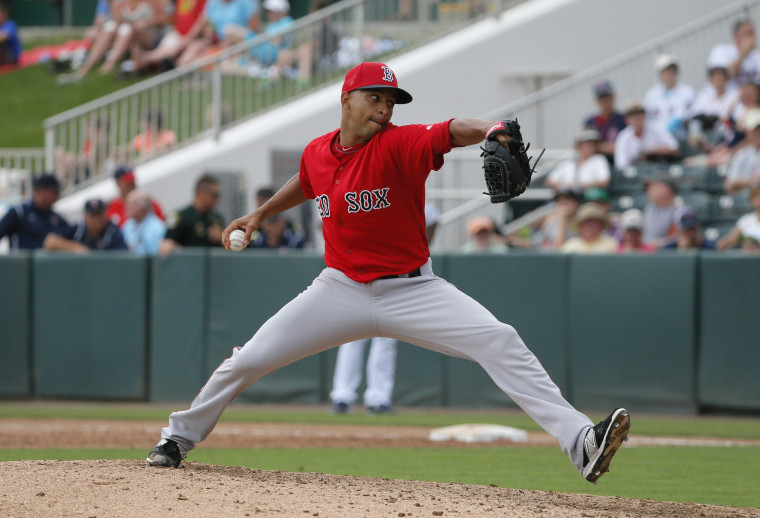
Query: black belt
<point>414,273</point>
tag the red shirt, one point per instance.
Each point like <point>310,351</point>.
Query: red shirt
<point>372,201</point>
<point>116,213</point>
<point>186,14</point>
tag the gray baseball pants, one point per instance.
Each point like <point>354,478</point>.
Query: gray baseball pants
<point>426,311</point>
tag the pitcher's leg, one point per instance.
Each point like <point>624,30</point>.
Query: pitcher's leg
<point>330,312</point>
<point>348,372</point>
<point>433,314</point>
<point>381,372</point>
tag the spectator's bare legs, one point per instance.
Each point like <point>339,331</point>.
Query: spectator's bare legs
<point>195,49</point>
<point>100,46</point>
<point>165,50</point>
<point>126,34</point>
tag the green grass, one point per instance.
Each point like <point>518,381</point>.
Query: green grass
<point>719,476</point>
<point>724,427</point>
<point>30,95</point>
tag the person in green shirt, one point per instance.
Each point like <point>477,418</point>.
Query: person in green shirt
<point>198,224</point>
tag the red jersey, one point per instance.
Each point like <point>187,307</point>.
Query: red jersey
<point>116,212</point>
<point>186,14</point>
<point>372,202</point>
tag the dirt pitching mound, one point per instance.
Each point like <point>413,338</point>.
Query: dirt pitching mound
<point>102,488</point>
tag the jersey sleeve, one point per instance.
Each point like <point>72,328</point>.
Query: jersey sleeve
<point>422,146</point>
<point>9,222</point>
<point>303,177</point>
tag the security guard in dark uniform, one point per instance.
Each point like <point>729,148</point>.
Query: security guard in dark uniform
<point>199,224</point>
<point>29,223</point>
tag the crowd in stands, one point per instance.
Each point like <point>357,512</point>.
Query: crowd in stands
<point>640,179</point>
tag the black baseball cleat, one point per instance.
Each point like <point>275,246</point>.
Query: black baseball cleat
<point>380,409</point>
<point>167,453</point>
<point>601,443</point>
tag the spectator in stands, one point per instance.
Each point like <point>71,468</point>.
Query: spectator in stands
<point>751,244</point>
<point>591,238</point>
<point>589,169</point>
<point>734,125</point>
<point>558,226</point>
<point>601,197</point>
<point>102,15</point>
<point>224,21</point>
<point>744,169</point>
<point>747,226</point>
<point>72,167</point>
<point>28,224</point>
<point>669,102</point>
<point>642,141</point>
<point>269,54</point>
<point>740,58</point>
<point>198,224</point>
<point>316,54</point>
<point>96,232</point>
<point>660,212</point>
<point>632,227</point>
<point>689,232</point>
<point>139,21</point>
<point>124,176</point>
<point>712,105</point>
<point>10,44</point>
<point>189,24</point>
<point>143,230</point>
<point>608,122</point>
<point>155,136</point>
<point>274,233</point>
<point>483,237</point>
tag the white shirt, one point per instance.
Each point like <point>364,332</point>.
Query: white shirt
<point>745,164</point>
<point>567,175</point>
<point>708,102</point>
<point>725,54</point>
<point>749,225</point>
<point>629,147</point>
<point>604,245</point>
<point>664,106</point>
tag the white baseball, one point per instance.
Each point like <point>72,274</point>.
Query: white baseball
<point>237,240</point>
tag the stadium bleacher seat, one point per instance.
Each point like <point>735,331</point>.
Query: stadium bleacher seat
<point>699,201</point>
<point>688,177</point>
<point>715,230</point>
<point>729,208</point>
<point>633,200</point>
<point>715,178</point>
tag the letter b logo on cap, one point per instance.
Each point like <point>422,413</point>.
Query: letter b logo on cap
<point>387,74</point>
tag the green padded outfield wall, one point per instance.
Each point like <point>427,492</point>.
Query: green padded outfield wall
<point>178,325</point>
<point>90,326</point>
<point>245,290</point>
<point>15,326</point>
<point>526,291</point>
<point>729,353</point>
<point>632,331</point>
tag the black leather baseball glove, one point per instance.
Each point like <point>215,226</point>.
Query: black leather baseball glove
<point>507,171</point>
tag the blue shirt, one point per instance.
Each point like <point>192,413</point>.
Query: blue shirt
<point>237,12</point>
<point>110,239</point>
<point>27,226</point>
<point>11,29</point>
<point>267,51</point>
<point>103,9</point>
<point>145,237</point>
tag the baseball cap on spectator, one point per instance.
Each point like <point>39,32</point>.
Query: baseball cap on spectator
<point>598,195</point>
<point>664,61</point>
<point>603,88</point>
<point>479,224</point>
<point>95,206</point>
<point>570,193</point>
<point>278,6</point>
<point>688,219</point>
<point>632,219</point>
<point>587,134</point>
<point>124,172</point>
<point>372,76</point>
<point>752,119</point>
<point>591,211</point>
<point>46,181</point>
<point>634,108</point>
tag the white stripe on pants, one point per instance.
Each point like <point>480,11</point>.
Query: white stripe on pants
<point>426,311</point>
<point>381,371</point>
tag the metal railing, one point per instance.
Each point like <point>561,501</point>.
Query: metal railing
<point>556,112</point>
<point>201,99</point>
<point>17,168</point>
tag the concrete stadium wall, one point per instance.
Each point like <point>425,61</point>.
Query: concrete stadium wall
<point>671,332</point>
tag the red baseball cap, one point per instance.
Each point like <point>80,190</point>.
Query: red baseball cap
<point>371,76</point>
